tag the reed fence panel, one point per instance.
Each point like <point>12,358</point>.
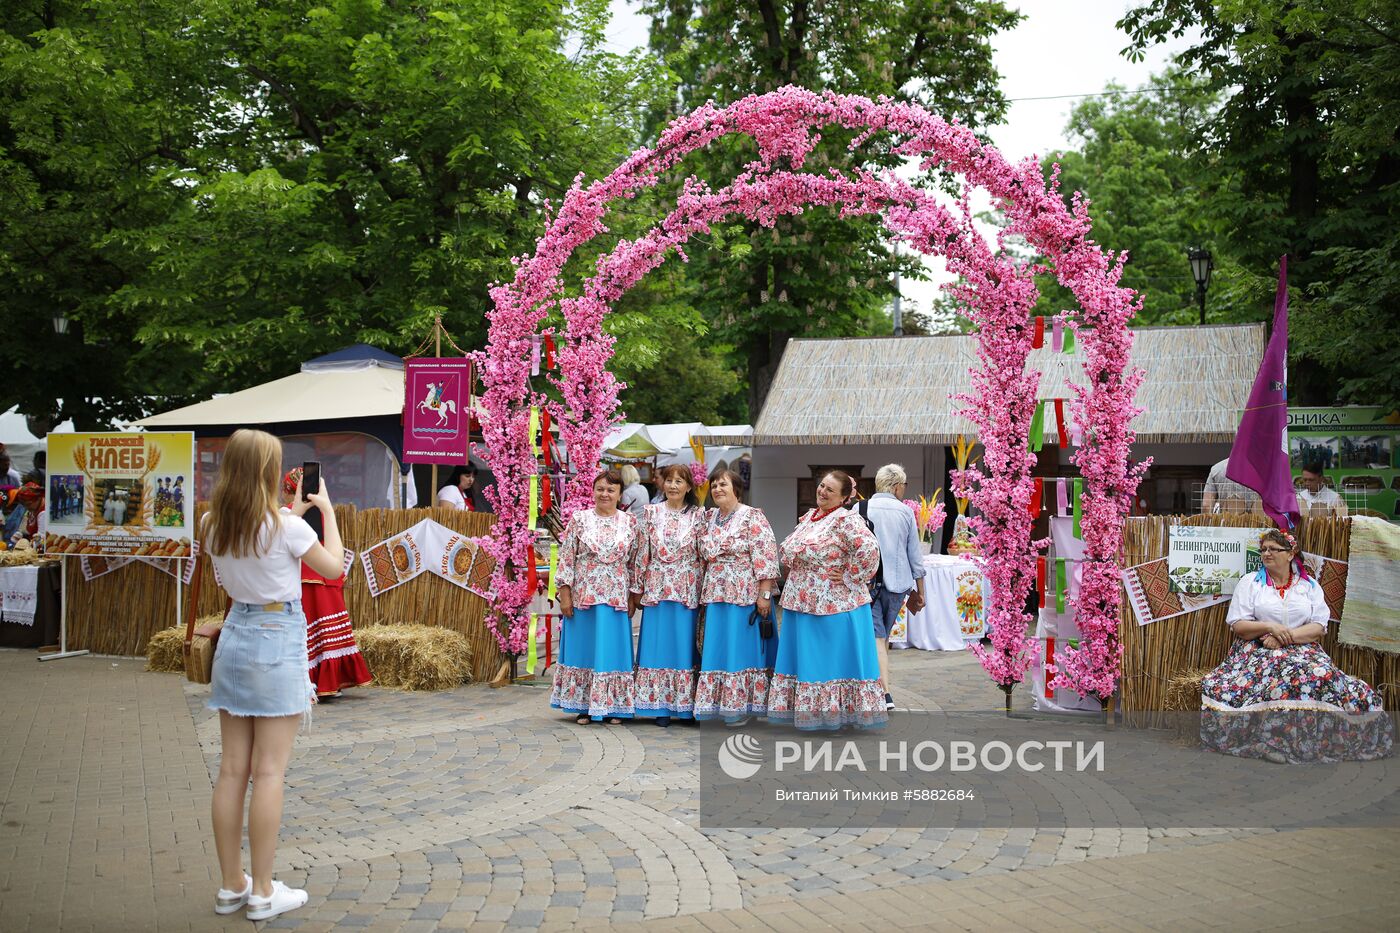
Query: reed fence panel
<point>118,612</point>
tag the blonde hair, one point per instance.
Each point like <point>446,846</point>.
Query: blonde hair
<point>889,476</point>
<point>245,494</point>
<point>630,476</point>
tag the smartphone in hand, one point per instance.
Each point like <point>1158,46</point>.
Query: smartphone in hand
<point>310,479</point>
<point>311,482</point>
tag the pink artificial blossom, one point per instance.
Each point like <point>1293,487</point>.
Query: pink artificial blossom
<point>999,292</point>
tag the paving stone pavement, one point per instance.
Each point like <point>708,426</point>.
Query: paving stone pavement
<point>483,808</point>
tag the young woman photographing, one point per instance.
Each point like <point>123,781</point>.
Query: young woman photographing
<point>260,686</point>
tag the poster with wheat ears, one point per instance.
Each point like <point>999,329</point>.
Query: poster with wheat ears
<point>125,494</point>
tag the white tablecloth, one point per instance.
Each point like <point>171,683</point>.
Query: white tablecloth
<point>955,612</point>
<point>19,594</point>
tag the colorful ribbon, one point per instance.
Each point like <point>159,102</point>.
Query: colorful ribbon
<point>548,641</point>
<point>1078,504</point>
<point>534,501</point>
<point>1061,584</point>
<point>553,566</point>
<point>1040,580</point>
<point>533,430</point>
<point>1037,430</point>
<point>532,574</point>
<point>532,650</point>
<point>1049,668</point>
<point>534,356</point>
<point>1061,497</point>
<point>1038,337</point>
<point>1069,341</point>
<point>546,498</point>
<point>1060,422</point>
<point>1036,496</point>
<point>548,351</point>
<point>1057,335</point>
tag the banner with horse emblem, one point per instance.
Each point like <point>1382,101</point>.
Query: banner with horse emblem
<point>437,410</point>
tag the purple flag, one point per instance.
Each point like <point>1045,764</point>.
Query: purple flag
<point>1259,457</point>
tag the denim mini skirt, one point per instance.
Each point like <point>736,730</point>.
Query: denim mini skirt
<point>260,666</point>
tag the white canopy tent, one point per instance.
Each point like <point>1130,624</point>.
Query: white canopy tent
<point>20,443</point>
<point>344,407</point>
<point>670,443</point>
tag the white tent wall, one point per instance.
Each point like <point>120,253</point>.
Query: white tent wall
<point>777,470</point>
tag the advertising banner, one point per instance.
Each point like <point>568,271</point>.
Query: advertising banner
<point>1208,561</point>
<point>436,410</point>
<point>1357,452</point>
<point>121,495</point>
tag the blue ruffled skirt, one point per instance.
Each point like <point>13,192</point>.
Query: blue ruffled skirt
<point>827,673</point>
<point>666,661</point>
<point>734,666</point>
<point>594,673</point>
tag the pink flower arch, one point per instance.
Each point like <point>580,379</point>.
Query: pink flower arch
<point>997,290</point>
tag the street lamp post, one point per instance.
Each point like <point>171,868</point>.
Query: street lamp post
<point>1201,268</point>
<point>60,323</point>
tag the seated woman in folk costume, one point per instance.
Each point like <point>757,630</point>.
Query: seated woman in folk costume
<point>1278,696</point>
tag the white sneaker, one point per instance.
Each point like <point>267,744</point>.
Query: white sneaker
<point>230,902</point>
<point>282,900</point>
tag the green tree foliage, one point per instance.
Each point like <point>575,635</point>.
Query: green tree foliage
<point>214,190</point>
<point>814,274</point>
<point>1307,144</point>
<point>1138,157</point>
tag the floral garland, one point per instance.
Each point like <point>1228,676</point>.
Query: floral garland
<point>786,126</point>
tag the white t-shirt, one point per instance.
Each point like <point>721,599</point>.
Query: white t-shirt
<point>274,576</point>
<point>451,495</point>
<point>1321,502</point>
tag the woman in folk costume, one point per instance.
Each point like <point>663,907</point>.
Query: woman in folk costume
<point>827,674</point>
<point>593,678</point>
<point>333,659</point>
<point>741,569</point>
<point>1278,696</point>
<point>669,571</point>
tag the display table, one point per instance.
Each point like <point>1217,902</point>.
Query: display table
<point>44,629</point>
<point>955,609</point>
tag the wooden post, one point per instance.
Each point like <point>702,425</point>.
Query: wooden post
<point>437,352</point>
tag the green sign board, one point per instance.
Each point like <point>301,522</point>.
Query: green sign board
<point>1358,449</point>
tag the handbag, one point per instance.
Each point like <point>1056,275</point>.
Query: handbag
<point>765,624</point>
<point>200,642</point>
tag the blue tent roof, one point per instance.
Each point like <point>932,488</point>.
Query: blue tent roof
<point>358,351</point>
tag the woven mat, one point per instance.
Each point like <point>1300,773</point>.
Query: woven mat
<point>1371,613</point>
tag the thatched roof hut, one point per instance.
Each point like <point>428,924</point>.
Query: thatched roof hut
<point>897,390</point>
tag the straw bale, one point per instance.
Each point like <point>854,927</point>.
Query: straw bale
<point>416,657</point>
<point>165,651</point>
<point>898,390</point>
<point>1183,693</point>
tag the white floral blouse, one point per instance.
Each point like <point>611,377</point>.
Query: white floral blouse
<point>596,558</point>
<point>739,553</point>
<point>829,563</point>
<point>668,567</point>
